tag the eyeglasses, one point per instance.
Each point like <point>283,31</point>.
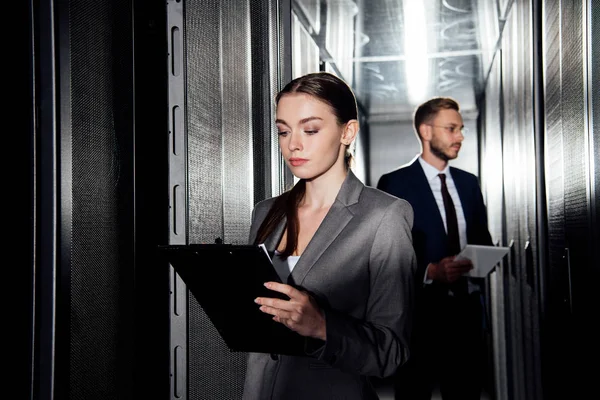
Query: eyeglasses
<point>452,129</point>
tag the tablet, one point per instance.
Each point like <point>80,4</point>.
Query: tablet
<point>484,258</point>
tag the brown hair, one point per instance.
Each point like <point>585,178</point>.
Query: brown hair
<point>334,92</point>
<point>428,110</point>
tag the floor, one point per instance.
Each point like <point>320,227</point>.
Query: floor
<point>386,392</point>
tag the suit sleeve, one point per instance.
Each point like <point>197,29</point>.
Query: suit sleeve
<point>379,343</point>
<point>483,233</point>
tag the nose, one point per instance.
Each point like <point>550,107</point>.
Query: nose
<point>295,141</point>
<point>460,135</point>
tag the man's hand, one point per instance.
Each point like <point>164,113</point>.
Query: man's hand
<point>448,270</point>
<point>300,313</point>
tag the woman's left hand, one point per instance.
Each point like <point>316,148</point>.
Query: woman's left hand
<point>300,313</point>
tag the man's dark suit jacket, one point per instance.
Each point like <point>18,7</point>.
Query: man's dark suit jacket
<point>429,235</point>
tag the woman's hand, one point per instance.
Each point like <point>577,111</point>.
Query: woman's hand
<point>300,313</point>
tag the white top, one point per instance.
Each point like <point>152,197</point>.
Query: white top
<point>284,266</point>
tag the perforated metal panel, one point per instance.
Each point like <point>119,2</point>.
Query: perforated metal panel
<point>554,140</point>
<point>555,188</point>
<point>527,269</point>
<point>577,202</point>
<point>574,143</point>
<point>594,76</point>
<point>204,120</point>
<point>491,158</point>
<point>215,139</point>
<point>509,142</point>
<point>237,125</point>
<point>101,249</point>
<point>232,69</point>
<point>568,187</point>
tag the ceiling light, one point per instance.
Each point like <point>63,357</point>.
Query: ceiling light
<point>415,50</point>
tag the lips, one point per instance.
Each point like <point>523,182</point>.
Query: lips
<point>296,162</point>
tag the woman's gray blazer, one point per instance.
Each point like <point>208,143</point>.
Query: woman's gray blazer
<point>360,265</point>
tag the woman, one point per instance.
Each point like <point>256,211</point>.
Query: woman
<point>345,250</point>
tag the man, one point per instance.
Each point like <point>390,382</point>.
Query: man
<point>447,348</point>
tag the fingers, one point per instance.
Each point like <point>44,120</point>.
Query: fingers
<point>289,311</point>
<point>460,268</point>
<point>457,269</point>
<point>273,303</point>
<point>288,290</point>
<point>270,305</point>
<point>453,270</point>
<point>277,313</point>
<point>295,296</point>
<point>464,262</point>
<point>463,265</point>
<point>283,311</point>
<point>451,262</point>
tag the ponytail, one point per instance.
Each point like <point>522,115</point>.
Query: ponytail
<point>285,205</point>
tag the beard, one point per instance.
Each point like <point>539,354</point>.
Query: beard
<point>439,152</point>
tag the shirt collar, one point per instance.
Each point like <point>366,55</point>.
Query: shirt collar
<point>432,172</point>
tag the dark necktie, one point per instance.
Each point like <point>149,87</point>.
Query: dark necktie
<point>460,286</point>
<point>451,221</point>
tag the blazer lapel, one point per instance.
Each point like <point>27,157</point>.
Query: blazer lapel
<point>334,222</point>
<point>428,200</point>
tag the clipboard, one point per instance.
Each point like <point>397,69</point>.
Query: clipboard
<point>225,279</point>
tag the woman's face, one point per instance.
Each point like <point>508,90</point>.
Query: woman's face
<point>310,138</point>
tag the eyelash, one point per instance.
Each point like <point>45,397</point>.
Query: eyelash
<point>311,132</point>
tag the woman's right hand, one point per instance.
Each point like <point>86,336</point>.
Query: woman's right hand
<point>300,313</point>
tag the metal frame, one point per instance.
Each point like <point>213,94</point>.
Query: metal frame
<point>177,189</point>
<point>277,178</point>
<point>65,169</point>
<point>284,62</point>
<point>592,137</point>
<point>47,200</point>
<point>539,125</point>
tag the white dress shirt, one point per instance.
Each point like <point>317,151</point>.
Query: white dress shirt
<point>431,173</point>
<point>435,184</point>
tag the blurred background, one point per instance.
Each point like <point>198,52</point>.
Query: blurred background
<point>396,55</point>
<point>152,122</point>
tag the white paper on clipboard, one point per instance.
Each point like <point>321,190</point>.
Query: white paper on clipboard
<point>484,258</point>
<point>264,248</point>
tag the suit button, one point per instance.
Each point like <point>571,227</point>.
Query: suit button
<point>274,357</point>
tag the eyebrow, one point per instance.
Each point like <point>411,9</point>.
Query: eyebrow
<point>302,121</point>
